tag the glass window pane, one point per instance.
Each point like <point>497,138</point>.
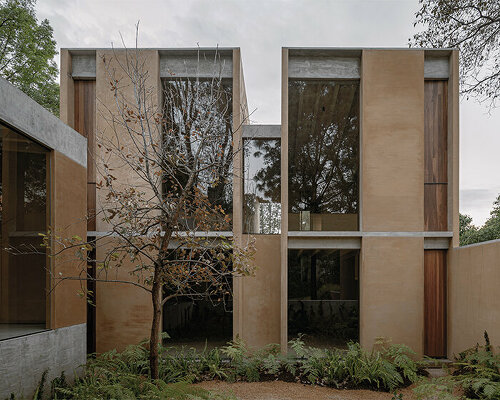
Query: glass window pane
<point>323,155</point>
<point>262,204</point>
<point>201,312</point>
<point>23,191</point>
<point>193,107</point>
<point>323,296</point>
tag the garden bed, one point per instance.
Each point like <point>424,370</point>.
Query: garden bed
<point>277,390</point>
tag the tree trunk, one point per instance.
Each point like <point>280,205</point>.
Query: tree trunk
<point>155,328</point>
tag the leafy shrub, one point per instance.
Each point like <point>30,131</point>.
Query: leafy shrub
<point>477,374</point>
<point>437,388</point>
<point>125,375</point>
<point>478,371</point>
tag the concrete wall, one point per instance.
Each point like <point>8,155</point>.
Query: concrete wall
<point>24,359</point>
<point>26,115</point>
<point>66,90</point>
<point>473,298</point>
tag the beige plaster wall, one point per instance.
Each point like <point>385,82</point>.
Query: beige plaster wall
<point>106,106</point>
<point>260,308</point>
<point>392,140</point>
<point>473,295</point>
<point>392,291</point>
<point>69,209</point>
<point>124,311</point>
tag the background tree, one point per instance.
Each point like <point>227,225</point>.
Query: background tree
<point>470,234</point>
<point>27,50</point>
<point>473,26</point>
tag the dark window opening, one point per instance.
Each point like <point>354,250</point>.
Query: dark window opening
<point>323,296</point>
<point>201,312</point>
<point>24,215</point>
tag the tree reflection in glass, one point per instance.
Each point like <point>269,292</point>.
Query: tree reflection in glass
<point>262,205</point>
<point>23,216</point>
<point>323,164</point>
<point>185,100</point>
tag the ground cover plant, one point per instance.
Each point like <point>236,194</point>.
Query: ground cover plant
<point>126,375</point>
<point>474,375</point>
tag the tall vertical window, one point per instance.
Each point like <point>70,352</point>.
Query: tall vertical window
<point>323,155</point>
<point>262,206</point>
<point>24,205</point>
<point>192,98</point>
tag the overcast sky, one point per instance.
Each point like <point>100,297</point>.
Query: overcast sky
<point>261,28</point>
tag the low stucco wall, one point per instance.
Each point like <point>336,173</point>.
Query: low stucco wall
<point>24,359</point>
<point>473,295</point>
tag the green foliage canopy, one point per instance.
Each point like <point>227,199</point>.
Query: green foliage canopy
<point>27,50</point>
<point>473,26</point>
<point>470,234</point>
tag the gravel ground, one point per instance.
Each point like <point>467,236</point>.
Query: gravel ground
<point>277,390</point>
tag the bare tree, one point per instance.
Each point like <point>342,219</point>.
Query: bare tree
<point>165,190</point>
<point>473,26</point>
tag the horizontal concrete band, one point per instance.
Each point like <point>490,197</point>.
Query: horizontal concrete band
<point>324,243</point>
<point>194,65</point>
<point>324,240</point>
<point>443,234</point>
<point>25,358</point>
<point>24,114</point>
<point>353,243</point>
<point>187,63</point>
<point>437,68</point>
<point>306,234</point>
<point>328,67</point>
<point>261,131</point>
<point>196,234</point>
<point>83,66</point>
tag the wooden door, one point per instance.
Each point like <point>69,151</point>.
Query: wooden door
<point>435,299</point>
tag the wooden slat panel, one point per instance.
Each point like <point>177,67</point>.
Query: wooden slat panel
<point>436,207</point>
<point>436,132</point>
<point>91,206</point>
<point>85,124</point>
<point>85,120</point>
<point>435,303</point>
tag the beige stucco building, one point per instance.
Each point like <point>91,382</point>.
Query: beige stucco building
<point>352,201</point>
